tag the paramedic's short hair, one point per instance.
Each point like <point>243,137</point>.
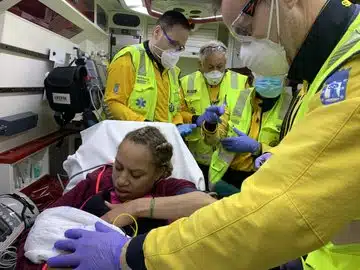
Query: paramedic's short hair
<point>171,18</point>
<point>211,47</point>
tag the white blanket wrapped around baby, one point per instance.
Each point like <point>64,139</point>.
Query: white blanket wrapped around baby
<point>50,226</point>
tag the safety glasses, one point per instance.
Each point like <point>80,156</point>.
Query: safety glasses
<point>178,47</point>
<point>218,48</point>
<point>242,25</point>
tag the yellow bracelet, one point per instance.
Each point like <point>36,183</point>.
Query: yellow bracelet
<point>134,219</point>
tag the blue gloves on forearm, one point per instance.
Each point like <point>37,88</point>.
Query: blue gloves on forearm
<point>90,250</point>
<point>261,160</point>
<point>240,144</point>
<point>211,115</point>
<point>186,129</point>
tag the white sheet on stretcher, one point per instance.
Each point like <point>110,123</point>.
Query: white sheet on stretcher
<point>51,225</point>
<point>100,142</point>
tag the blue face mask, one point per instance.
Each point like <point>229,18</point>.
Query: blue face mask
<point>269,86</point>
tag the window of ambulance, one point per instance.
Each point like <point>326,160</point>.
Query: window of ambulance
<point>36,12</point>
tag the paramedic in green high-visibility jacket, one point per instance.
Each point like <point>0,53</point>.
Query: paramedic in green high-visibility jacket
<point>306,196</point>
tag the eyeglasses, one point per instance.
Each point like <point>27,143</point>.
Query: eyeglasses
<point>242,25</point>
<point>173,43</point>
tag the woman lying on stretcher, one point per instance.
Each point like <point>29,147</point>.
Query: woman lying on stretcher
<point>138,184</point>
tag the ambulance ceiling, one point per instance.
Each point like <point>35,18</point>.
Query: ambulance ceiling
<point>198,11</point>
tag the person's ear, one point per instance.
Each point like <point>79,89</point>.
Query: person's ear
<point>157,32</point>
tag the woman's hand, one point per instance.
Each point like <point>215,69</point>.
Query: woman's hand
<point>115,214</point>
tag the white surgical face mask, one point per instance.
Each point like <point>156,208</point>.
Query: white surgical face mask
<point>214,77</point>
<point>263,56</point>
<point>169,58</point>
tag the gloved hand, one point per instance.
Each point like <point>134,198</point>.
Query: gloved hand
<point>211,115</point>
<point>240,144</point>
<point>90,250</point>
<point>186,129</point>
<point>261,160</point>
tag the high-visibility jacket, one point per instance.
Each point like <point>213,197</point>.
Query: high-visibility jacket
<point>241,110</point>
<point>197,99</point>
<point>306,193</point>
<point>143,98</point>
<point>344,256</point>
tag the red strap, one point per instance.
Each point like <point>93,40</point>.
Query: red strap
<point>98,180</point>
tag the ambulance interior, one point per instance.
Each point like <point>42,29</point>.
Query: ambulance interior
<point>38,156</point>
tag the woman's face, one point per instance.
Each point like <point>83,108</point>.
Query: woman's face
<point>134,172</point>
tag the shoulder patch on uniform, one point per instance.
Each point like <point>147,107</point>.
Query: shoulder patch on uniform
<point>334,89</point>
<point>116,88</point>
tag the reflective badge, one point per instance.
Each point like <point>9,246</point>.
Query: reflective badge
<point>171,107</point>
<point>116,88</point>
<point>273,143</point>
<point>191,92</point>
<point>141,103</point>
<point>334,89</point>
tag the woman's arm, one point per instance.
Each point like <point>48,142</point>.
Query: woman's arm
<point>172,207</point>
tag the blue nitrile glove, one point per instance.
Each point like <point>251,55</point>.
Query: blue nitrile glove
<point>261,160</point>
<point>211,115</point>
<point>186,129</point>
<point>90,250</point>
<point>240,144</point>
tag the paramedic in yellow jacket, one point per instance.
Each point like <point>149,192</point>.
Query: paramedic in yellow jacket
<point>143,80</point>
<point>250,126</point>
<point>208,87</point>
<point>307,194</point>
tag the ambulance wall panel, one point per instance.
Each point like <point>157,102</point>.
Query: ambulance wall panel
<point>13,104</point>
<point>21,71</point>
<point>24,34</point>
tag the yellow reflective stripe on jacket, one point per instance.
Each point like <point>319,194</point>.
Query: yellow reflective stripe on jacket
<point>196,95</point>
<point>221,159</point>
<point>143,98</point>
<point>240,118</point>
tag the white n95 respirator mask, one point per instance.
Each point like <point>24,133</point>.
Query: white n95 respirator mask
<point>169,58</point>
<point>263,56</point>
<point>214,77</point>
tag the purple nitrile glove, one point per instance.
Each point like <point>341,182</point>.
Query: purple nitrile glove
<point>261,160</point>
<point>241,144</point>
<point>186,129</point>
<point>211,115</point>
<point>90,250</point>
